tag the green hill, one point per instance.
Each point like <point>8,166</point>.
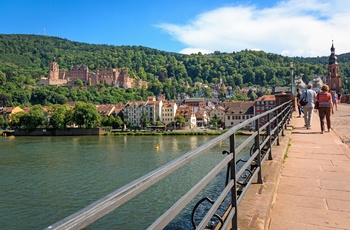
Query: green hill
<point>24,59</point>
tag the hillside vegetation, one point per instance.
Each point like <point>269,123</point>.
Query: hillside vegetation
<point>24,59</point>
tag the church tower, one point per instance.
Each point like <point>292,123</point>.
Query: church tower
<point>333,78</point>
<point>54,71</point>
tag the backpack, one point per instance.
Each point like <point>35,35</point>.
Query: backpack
<point>303,100</point>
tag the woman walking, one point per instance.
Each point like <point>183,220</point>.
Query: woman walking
<point>325,105</point>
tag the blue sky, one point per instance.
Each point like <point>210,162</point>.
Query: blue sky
<point>290,27</point>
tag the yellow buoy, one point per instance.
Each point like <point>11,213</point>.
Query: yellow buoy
<point>157,146</point>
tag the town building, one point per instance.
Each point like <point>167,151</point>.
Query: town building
<point>263,104</point>
<point>133,112</point>
<point>189,115</point>
<point>105,110</point>
<point>168,112</point>
<point>195,102</point>
<point>218,112</point>
<point>153,109</point>
<point>237,112</point>
<point>202,118</point>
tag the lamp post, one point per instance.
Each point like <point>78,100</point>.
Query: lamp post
<point>291,74</point>
<point>346,86</point>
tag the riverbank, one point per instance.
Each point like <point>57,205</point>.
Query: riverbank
<point>97,132</point>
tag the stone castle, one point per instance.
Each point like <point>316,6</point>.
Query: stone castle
<point>113,77</point>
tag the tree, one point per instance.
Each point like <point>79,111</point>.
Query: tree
<point>79,83</point>
<point>69,117</point>
<point>105,121</point>
<point>180,119</point>
<point>85,115</point>
<point>2,121</point>
<point>117,123</point>
<point>58,117</point>
<point>15,119</point>
<point>253,96</point>
<point>2,78</point>
<point>33,118</point>
<point>215,121</point>
<point>144,121</point>
<point>207,92</point>
<point>159,123</point>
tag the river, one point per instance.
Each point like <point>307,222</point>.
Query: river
<point>45,179</point>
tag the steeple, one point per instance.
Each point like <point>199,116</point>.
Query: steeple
<point>332,58</point>
<point>332,48</point>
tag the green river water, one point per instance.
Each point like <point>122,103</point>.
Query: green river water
<point>45,179</point>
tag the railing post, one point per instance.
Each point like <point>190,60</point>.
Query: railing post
<point>234,188</point>
<point>269,135</point>
<point>277,132</point>
<point>284,125</point>
<point>257,145</point>
<point>290,111</point>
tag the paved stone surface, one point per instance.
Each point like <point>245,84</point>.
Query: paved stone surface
<point>314,185</point>
<point>308,190</point>
<point>341,122</point>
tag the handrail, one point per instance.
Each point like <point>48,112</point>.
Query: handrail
<point>278,118</point>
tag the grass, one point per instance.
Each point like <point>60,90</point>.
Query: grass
<point>285,156</point>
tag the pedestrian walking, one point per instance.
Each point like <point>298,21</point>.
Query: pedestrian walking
<point>334,100</point>
<point>325,109</point>
<point>300,108</point>
<point>310,95</point>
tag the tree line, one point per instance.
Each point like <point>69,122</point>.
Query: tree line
<point>83,115</point>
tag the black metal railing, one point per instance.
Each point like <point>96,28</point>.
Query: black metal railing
<point>237,180</point>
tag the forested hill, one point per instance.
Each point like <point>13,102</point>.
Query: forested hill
<point>25,58</point>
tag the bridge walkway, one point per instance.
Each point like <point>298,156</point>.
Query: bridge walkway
<point>313,190</point>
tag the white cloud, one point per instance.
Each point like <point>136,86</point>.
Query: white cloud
<point>291,28</point>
